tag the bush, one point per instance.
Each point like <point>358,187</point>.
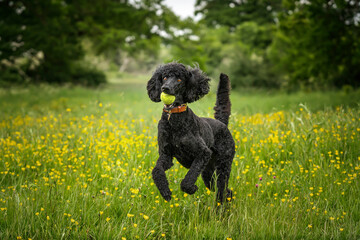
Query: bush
<point>86,76</point>
<point>78,75</point>
<point>10,76</point>
<point>252,72</point>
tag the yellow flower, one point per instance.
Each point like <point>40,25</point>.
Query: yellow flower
<point>130,215</point>
<point>309,226</point>
<point>108,219</point>
<point>48,218</point>
<point>101,213</point>
<point>145,217</point>
<point>163,234</point>
<point>135,225</point>
<point>134,191</point>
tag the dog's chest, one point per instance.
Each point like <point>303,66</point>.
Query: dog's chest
<point>184,149</point>
<point>183,159</point>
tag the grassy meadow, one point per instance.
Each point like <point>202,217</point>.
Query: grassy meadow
<point>76,163</point>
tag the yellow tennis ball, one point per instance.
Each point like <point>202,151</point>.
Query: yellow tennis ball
<point>166,98</point>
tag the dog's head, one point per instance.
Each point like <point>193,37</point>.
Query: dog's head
<point>185,83</point>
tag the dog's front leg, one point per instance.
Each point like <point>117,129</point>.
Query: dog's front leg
<point>188,183</point>
<point>158,173</point>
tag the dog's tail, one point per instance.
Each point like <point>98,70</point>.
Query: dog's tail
<point>223,105</point>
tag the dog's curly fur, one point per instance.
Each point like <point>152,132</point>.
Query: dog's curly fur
<point>203,145</point>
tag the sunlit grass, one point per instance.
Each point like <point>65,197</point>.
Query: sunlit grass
<point>76,163</point>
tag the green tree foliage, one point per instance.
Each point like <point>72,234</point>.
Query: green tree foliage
<point>260,43</point>
<point>231,13</point>
<point>241,49</point>
<point>249,62</point>
<point>318,43</point>
<point>184,45</point>
<point>290,44</point>
<point>32,27</point>
<point>41,40</point>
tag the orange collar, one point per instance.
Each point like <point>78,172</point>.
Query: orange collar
<point>178,109</point>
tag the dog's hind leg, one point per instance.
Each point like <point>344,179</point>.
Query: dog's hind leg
<point>223,174</point>
<point>208,177</point>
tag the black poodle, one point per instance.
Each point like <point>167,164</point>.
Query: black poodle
<point>203,145</point>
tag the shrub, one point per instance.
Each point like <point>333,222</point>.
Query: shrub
<point>10,76</point>
<point>87,76</point>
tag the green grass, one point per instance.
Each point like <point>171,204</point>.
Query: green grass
<point>76,163</point>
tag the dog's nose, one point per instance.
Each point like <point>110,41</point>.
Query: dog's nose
<point>165,89</point>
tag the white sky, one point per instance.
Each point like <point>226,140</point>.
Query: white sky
<point>182,8</point>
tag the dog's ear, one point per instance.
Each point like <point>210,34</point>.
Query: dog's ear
<point>154,85</point>
<point>197,86</point>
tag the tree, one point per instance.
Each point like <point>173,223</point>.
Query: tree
<point>44,37</point>
<point>250,26</point>
<point>318,43</point>
<point>39,26</point>
<point>231,13</point>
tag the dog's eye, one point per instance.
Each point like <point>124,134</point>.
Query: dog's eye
<point>179,80</point>
<point>165,78</point>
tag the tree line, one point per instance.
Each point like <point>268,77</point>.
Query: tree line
<point>303,44</point>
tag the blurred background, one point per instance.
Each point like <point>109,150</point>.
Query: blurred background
<point>262,44</point>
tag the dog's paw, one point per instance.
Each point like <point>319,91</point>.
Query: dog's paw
<point>193,189</point>
<point>166,195</point>
<point>229,195</point>
<point>190,189</point>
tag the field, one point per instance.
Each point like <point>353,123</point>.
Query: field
<point>76,164</point>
